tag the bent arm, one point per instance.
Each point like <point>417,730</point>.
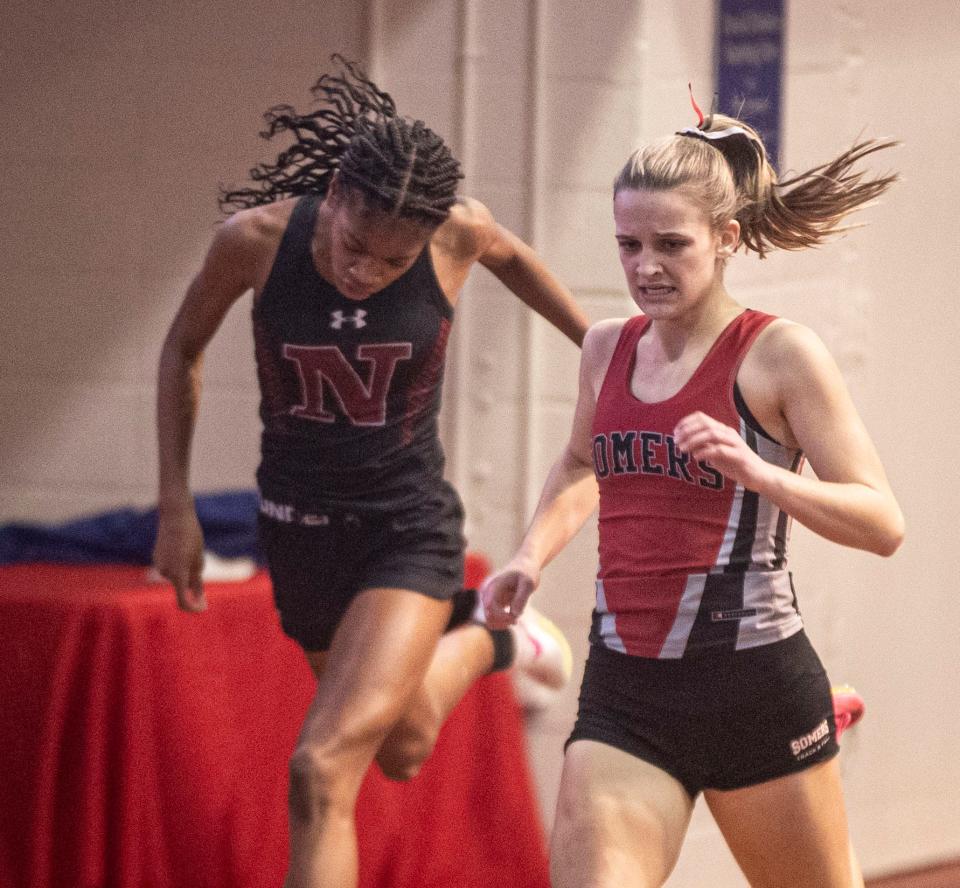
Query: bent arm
<point>522,271</point>
<point>850,501</point>
<point>568,498</point>
<point>853,513</point>
<point>471,234</point>
<point>570,494</point>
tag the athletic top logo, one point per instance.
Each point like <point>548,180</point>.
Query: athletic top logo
<point>338,319</point>
<point>363,403</point>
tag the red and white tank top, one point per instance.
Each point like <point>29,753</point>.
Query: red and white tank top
<point>689,560</point>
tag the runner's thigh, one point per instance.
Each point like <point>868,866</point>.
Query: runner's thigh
<point>375,664</point>
<point>788,831</point>
<point>620,820</point>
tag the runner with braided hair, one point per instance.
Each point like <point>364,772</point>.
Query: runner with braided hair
<point>402,166</point>
<point>355,245</point>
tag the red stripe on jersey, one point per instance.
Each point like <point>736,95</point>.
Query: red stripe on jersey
<point>423,389</point>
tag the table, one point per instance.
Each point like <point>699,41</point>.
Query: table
<point>147,748</point>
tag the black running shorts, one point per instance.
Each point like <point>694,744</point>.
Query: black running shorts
<point>712,720</point>
<point>319,561</point>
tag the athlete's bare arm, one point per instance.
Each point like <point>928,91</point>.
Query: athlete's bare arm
<point>569,494</point>
<point>801,398</point>
<point>471,234</point>
<point>235,263</point>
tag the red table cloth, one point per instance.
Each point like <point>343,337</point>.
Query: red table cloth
<point>147,748</point>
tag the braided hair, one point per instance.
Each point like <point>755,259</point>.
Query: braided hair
<point>399,165</point>
<point>724,165</point>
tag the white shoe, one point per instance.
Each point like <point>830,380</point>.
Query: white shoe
<point>543,661</point>
<point>216,570</point>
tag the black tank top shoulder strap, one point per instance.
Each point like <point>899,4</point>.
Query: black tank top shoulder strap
<point>293,260</point>
<point>748,326</point>
<point>747,416</point>
<point>299,231</point>
<point>422,277</point>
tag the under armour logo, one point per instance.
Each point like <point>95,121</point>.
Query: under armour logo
<point>357,319</point>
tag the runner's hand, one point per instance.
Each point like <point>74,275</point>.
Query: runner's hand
<point>504,594</point>
<point>178,556</point>
<point>704,438</point>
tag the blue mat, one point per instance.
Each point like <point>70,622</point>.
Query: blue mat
<point>126,536</point>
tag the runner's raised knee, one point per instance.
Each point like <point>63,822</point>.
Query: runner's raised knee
<point>404,752</point>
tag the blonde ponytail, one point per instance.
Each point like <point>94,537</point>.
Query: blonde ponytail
<point>724,166</point>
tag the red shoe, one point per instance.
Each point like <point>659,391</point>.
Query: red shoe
<point>848,708</point>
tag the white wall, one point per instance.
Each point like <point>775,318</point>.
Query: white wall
<point>900,621</point>
<point>554,94</point>
<point>121,118</point>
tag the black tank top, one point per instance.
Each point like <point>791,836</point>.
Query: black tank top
<point>350,390</point>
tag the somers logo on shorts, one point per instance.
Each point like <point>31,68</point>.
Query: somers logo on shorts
<point>810,742</point>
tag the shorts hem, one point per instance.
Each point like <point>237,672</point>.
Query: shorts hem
<point>633,753</point>
<point>775,773</point>
<point>305,637</point>
<point>423,584</point>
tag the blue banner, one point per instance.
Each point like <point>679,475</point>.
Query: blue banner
<point>749,56</point>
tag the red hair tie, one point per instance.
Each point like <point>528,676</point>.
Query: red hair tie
<point>696,107</point>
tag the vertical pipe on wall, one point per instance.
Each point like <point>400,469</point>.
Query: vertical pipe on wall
<point>376,28</point>
<point>530,471</point>
<point>467,56</point>
<point>458,404</point>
